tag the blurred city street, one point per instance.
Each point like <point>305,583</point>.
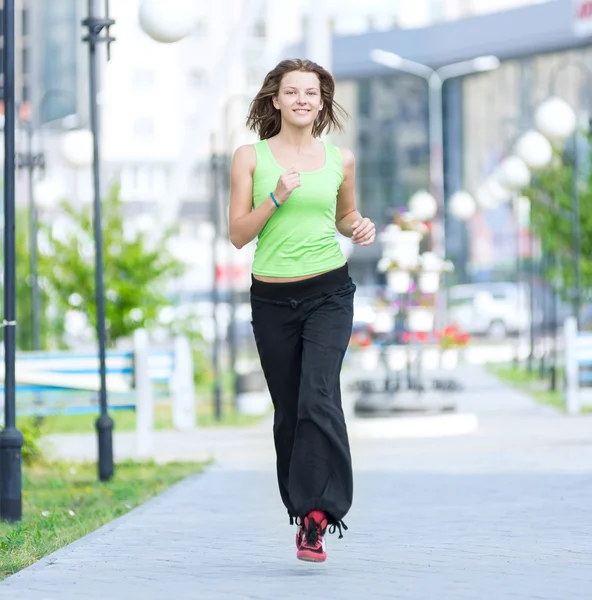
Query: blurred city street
<point>500,513</point>
<point>148,149</point>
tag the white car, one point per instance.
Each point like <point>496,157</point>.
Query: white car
<point>493,309</point>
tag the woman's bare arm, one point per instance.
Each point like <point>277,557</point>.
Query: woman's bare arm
<point>348,220</point>
<point>245,223</point>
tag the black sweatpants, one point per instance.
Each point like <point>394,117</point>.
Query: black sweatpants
<point>302,330</point>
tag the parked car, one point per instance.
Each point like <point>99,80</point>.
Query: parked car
<point>495,310</point>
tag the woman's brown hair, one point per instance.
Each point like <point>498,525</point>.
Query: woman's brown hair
<point>266,120</point>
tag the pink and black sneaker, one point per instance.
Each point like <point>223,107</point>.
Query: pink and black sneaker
<point>310,539</point>
<point>299,536</point>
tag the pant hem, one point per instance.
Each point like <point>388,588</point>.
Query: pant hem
<point>334,515</point>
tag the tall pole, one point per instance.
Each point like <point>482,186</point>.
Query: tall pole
<point>576,230</point>
<point>232,293</point>
<point>104,423</point>
<point>11,439</point>
<point>532,276</point>
<point>520,304</point>
<point>215,163</point>
<point>436,144</point>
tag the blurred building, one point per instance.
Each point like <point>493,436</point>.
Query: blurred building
<point>484,114</point>
<point>165,108</point>
<point>23,38</point>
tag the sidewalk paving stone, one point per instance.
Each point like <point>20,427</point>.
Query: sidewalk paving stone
<point>505,513</point>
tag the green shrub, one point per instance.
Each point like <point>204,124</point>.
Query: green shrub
<point>32,452</point>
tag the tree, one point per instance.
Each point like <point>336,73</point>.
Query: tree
<point>137,269</point>
<point>51,322</point>
<point>551,196</point>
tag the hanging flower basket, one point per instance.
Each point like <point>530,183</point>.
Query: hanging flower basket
<point>398,281</point>
<point>401,247</point>
<point>451,337</point>
<point>429,282</point>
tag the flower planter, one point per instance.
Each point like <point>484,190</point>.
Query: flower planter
<point>401,247</point>
<point>429,283</point>
<point>421,319</point>
<point>398,281</point>
<point>449,359</point>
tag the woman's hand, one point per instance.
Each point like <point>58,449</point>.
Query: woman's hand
<point>287,183</point>
<point>363,232</point>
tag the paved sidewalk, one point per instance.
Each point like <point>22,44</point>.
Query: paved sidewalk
<point>503,513</point>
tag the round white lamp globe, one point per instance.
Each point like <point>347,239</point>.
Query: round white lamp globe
<point>423,205</point>
<point>168,21</point>
<point>513,174</point>
<point>535,150</point>
<point>555,119</point>
<point>462,205</point>
<point>485,197</point>
<point>77,147</point>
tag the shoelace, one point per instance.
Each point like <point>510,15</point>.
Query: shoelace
<point>332,528</point>
<point>337,525</point>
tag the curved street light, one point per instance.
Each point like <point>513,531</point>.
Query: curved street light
<point>435,79</point>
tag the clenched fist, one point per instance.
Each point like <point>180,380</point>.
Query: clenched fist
<point>287,183</point>
<point>363,232</point>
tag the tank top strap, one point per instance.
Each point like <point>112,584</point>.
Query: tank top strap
<point>334,159</point>
<point>264,156</point>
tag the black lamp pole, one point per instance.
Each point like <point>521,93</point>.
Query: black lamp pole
<point>576,242</point>
<point>11,439</point>
<point>104,423</point>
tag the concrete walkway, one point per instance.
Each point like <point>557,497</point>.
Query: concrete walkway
<point>505,512</point>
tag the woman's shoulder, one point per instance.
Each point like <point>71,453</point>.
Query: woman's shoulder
<point>344,155</point>
<point>347,157</point>
<point>246,156</point>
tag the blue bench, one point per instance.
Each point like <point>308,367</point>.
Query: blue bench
<point>66,383</point>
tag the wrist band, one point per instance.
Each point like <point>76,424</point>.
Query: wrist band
<point>274,200</point>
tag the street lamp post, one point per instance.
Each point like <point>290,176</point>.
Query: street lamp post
<point>11,439</point>
<point>228,142</point>
<point>556,120</point>
<point>435,79</point>
<point>104,423</point>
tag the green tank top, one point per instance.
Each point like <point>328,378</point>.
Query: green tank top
<point>300,237</point>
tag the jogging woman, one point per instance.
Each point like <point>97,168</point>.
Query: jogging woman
<point>293,191</point>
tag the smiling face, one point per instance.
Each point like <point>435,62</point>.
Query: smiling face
<point>299,99</point>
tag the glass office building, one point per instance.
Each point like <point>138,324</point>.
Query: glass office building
<point>483,116</point>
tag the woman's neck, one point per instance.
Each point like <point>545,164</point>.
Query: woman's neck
<point>296,137</point>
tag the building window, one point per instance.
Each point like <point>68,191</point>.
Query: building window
<point>25,59</point>
<point>25,22</point>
